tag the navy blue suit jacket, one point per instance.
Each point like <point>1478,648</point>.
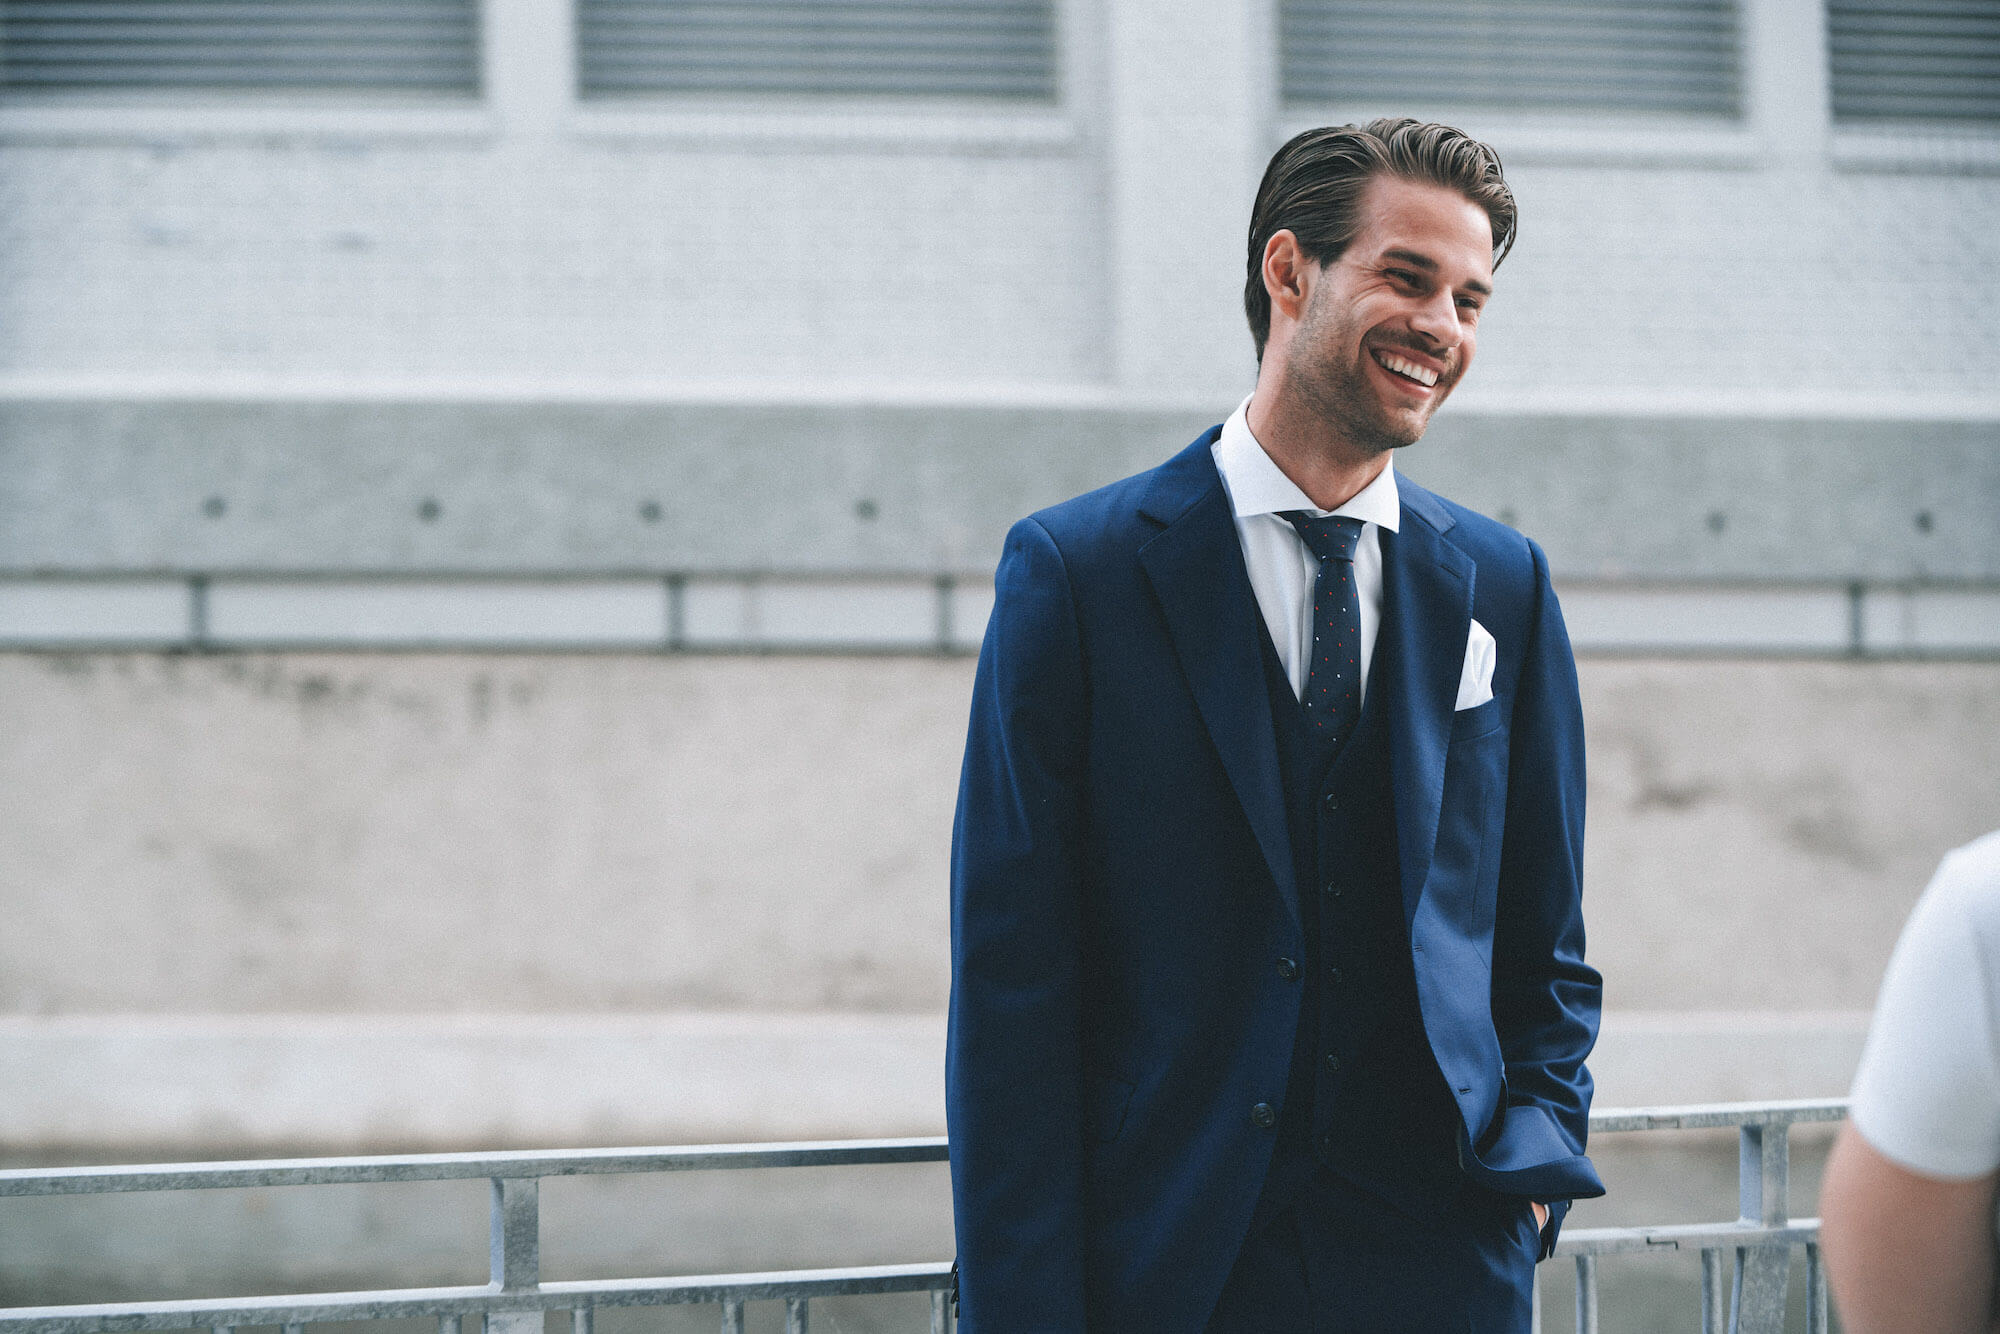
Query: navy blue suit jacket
<point>1123,883</point>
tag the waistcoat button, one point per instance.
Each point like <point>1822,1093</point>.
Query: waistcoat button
<point>1332,1061</point>
<point>1262,1116</point>
<point>1332,802</point>
<point>1287,969</point>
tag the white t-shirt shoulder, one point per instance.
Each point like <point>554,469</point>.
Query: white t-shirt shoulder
<point>1927,1093</point>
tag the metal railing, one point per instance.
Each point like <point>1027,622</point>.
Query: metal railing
<point>1760,1240</point>
<point>515,1300</point>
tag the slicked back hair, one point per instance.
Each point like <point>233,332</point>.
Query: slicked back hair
<point>1314,184</point>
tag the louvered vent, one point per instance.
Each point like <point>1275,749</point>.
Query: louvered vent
<point>1539,55</point>
<point>426,46</point>
<point>943,48</point>
<point>1915,60</point>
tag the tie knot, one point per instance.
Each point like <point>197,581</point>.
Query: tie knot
<point>1330,538</point>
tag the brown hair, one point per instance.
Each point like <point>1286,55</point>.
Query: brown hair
<point>1314,184</point>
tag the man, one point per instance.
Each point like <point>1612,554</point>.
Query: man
<point>1269,1008</point>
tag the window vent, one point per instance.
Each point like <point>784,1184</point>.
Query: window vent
<point>1918,60</point>
<point>1677,56</point>
<point>923,48</point>
<point>77,46</point>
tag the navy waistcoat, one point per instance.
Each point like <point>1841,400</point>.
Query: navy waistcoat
<point>1364,1096</point>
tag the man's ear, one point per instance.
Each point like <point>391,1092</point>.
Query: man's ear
<point>1287,280</point>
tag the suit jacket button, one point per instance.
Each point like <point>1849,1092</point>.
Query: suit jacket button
<point>1332,1061</point>
<point>1287,969</point>
<point>1332,890</point>
<point>1332,801</point>
<point>1333,972</point>
<point>1263,1116</point>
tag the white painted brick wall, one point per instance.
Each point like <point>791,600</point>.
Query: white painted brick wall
<point>821,247</point>
<point>415,261</point>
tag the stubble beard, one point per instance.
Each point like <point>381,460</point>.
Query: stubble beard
<point>1340,395</point>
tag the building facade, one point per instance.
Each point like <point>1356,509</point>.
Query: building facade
<point>497,498</point>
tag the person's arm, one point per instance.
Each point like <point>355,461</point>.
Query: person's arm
<point>1906,1253</point>
<point>1908,1199</point>
<point>1545,998</point>
<point>1012,1067</point>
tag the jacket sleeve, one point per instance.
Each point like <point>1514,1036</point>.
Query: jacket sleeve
<point>1546,999</point>
<point>1013,1054</point>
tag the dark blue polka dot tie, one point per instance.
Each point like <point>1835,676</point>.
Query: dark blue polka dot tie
<point>1333,680</point>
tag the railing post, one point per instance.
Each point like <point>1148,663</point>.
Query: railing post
<point>1763,1173</point>
<point>732,1318</point>
<point>1762,1272</point>
<point>940,1312</point>
<point>516,1250</point>
<point>1586,1294</point>
<point>1714,1293</point>
<point>795,1315</point>
<point>1816,1314</point>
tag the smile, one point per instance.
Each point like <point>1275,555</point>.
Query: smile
<point>1409,370</point>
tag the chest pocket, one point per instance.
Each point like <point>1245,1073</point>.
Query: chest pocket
<point>1477,721</point>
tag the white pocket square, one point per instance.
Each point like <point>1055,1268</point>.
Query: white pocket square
<point>1475,678</point>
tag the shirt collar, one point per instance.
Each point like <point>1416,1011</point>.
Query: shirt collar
<point>1256,485</point>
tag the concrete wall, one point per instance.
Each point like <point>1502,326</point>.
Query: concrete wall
<point>287,360</point>
<point>604,489</point>
<point>566,863</point>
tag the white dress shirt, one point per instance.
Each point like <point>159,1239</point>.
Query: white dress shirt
<point>1282,568</point>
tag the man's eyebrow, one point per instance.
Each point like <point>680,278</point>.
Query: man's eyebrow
<point>1418,260</point>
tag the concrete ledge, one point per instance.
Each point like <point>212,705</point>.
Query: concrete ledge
<point>628,613</point>
<point>368,1082</point>
<point>488,487</point>
<point>59,612</point>
<point>902,614</point>
<point>1805,620</point>
<point>944,614</point>
<point>198,1085</point>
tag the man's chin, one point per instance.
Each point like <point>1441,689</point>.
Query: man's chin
<point>1399,432</point>
<point>1399,424</point>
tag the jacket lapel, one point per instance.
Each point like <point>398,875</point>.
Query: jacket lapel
<point>1196,567</point>
<point>1426,614</point>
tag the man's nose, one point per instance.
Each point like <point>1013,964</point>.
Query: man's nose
<point>1437,320</point>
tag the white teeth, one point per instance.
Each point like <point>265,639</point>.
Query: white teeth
<point>1408,369</point>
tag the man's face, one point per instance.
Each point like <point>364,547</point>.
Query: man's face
<point>1388,327</point>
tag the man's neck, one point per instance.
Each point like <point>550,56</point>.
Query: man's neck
<point>1320,461</point>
